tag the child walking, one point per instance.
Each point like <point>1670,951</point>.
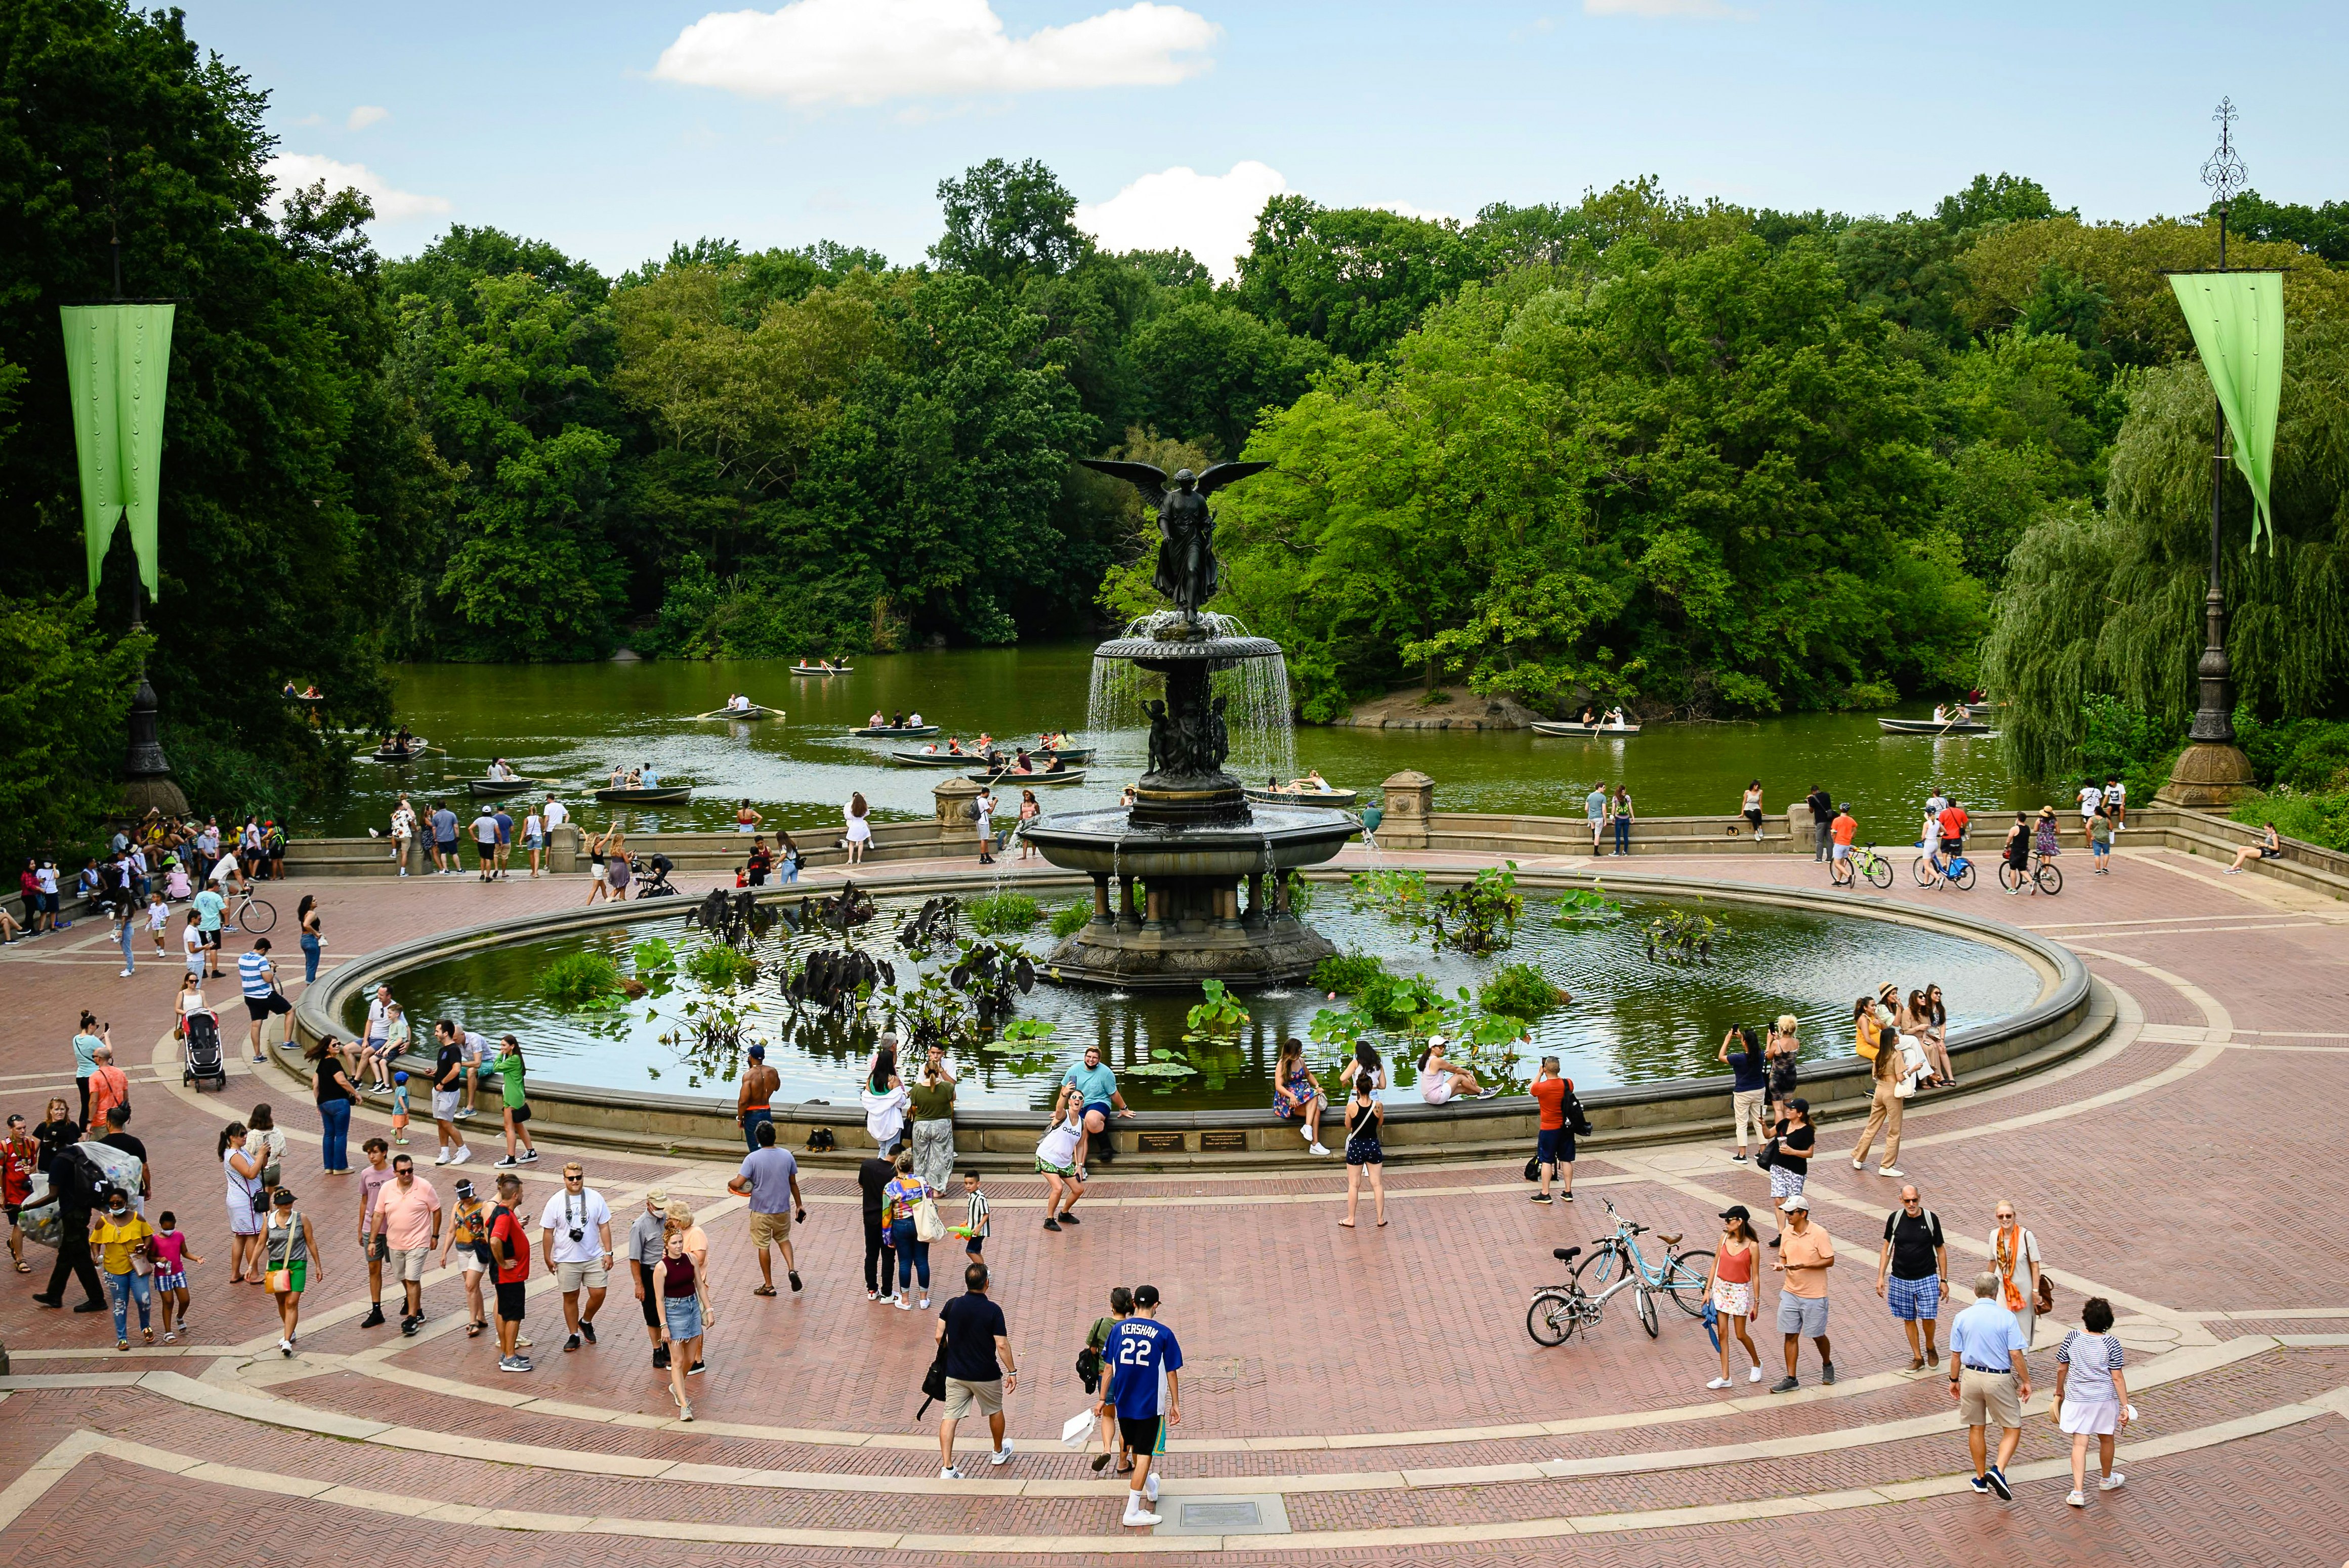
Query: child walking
<point>1089,1366</point>
<point>158,916</point>
<point>399,1107</point>
<point>974,1228</point>
<point>171,1261</point>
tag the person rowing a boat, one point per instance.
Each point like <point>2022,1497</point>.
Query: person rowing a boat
<point>931,750</point>
<point>1589,719</point>
<point>1615,718</point>
<point>1019,763</point>
<point>1054,765</point>
<point>985,743</point>
<point>953,746</point>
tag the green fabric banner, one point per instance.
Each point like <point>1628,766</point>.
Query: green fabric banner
<point>118,366</point>
<point>2238,323</point>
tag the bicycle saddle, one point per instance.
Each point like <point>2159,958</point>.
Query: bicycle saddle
<point>1564,1255</point>
<point>1670,1238</point>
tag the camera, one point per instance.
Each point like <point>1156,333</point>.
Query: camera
<point>576,1232</point>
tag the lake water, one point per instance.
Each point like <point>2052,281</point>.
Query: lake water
<point>1631,1020</point>
<point>573,723</point>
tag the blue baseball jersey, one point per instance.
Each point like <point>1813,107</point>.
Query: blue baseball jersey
<point>1140,1354</point>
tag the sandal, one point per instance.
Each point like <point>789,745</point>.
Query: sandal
<point>24,1267</point>
<point>122,1345</point>
<point>149,1334</point>
<point>473,1330</point>
<point>764,1290</point>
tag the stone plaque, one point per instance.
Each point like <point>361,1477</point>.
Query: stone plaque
<point>1158,1142</point>
<point>1222,1142</point>
<point>1238,1514</point>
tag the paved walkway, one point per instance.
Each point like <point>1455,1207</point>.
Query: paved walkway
<point>1363,1396</point>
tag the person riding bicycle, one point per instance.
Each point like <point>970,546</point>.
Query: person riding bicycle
<point>1842,832</point>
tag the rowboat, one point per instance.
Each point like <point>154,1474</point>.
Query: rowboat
<point>935,758</point>
<point>496,789</point>
<point>1932,726</point>
<point>820,670</point>
<point>660,796</point>
<point>1981,709</point>
<point>415,748</point>
<point>1341,800</point>
<point>1031,780</point>
<point>1567,727</point>
<point>753,711</point>
<point>895,732</point>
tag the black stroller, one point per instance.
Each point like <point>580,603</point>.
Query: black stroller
<point>656,885</point>
<point>200,1052</point>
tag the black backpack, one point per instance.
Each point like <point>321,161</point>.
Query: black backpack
<point>81,1183</point>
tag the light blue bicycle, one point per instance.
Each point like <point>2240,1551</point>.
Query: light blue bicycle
<point>1615,1263</point>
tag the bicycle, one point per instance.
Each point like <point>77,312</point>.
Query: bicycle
<point>1932,872</point>
<point>256,916</point>
<point>1864,862</point>
<point>2045,876</point>
<point>1557,1310</point>
<point>1680,1276</point>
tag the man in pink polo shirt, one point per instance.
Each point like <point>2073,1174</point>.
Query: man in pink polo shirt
<point>407,1216</point>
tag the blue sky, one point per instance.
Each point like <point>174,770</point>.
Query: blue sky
<point>613,130</point>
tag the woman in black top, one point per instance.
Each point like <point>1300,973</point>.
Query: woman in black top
<point>1790,1167</point>
<point>332,1080</point>
<point>58,1132</point>
<point>1365,1116</point>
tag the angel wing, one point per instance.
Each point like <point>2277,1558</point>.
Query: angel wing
<point>1222,474</point>
<point>1151,481</point>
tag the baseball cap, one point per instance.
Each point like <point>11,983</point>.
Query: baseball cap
<point>1737,1212</point>
<point>758,1053</point>
<point>657,1196</point>
<point>1797,1201</point>
<point>1145,1295</point>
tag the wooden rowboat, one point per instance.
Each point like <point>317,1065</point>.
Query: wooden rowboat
<point>1601,731</point>
<point>415,748</point>
<point>663,795</point>
<point>753,711</point>
<point>1031,780</point>
<point>897,732</point>
<point>935,758</point>
<point>820,670</point>
<point>1932,726</point>
<point>1338,800</point>
<point>498,789</point>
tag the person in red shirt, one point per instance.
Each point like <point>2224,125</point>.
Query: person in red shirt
<point>1954,829</point>
<point>19,1158</point>
<point>509,1251</point>
<point>1553,1144</point>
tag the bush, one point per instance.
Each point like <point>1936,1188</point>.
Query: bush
<point>1347,973</point>
<point>578,981</point>
<point>2312,819</point>
<point>722,968</point>
<point>1521,991</point>
<point>1004,912</point>
<point>1067,922</point>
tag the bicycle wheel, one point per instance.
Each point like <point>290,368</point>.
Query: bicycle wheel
<point>1647,1311</point>
<point>2050,877</point>
<point>1550,1318</point>
<point>1922,869</point>
<point>1684,1277</point>
<point>1879,871</point>
<point>257,916</point>
<point>1965,877</point>
<point>1595,1272</point>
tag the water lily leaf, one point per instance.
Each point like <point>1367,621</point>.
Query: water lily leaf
<point>1160,1068</point>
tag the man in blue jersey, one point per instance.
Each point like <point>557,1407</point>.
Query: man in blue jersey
<point>1145,1390</point>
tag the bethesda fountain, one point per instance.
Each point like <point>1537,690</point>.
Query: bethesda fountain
<point>1190,882</point>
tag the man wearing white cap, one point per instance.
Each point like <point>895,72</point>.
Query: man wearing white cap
<point>1805,1252</point>
<point>646,1240</point>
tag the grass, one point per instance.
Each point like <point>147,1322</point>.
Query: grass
<point>1002,912</point>
<point>1067,921</point>
<point>1345,974</point>
<point>578,981</point>
<point>1520,990</point>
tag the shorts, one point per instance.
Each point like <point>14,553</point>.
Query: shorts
<point>447,848</point>
<point>470,1261</point>
<point>510,1300</point>
<point>1840,851</point>
<point>962,1396</point>
<point>1952,847</point>
<point>1066,1172</point>
<point>444,1104</point>
<point>412,1262</point>
<point>1785,1183</point>
<point>520,1113</point>
<point>1987,1399</point>
<point>533,842</point>
<point>592,1275</point>
<point>171,1279</point>
<point>1803,1314</point>
<point>1914,1300</point>
<point>1102,1106</point>
<point>771,1230</point>
<point>259,1007</point>
<point>1364,1151</point>
<point>1143,1434</point>
<point>485,849</point>
<point>211,936</point>
<point>1733,1298</point>
<point>1553,1146</point>
<point>12,1211</point>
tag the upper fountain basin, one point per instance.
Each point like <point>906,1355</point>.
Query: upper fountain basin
<point>1106,839</point>
<point>1168,650</point>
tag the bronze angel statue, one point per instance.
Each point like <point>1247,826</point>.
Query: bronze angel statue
<point>1186,529</point>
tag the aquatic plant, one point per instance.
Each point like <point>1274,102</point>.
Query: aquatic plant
<point>999,913</point>
<point>582,982</point>
<point>1521,991</point>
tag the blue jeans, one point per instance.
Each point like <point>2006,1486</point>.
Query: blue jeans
<point>1622,835</point>
<point>751,1121</point>
<point>309,957</point>
<point>334,1146</point>
<point>913,1256</point>
<point>121,1289</point>
<point>122,935</point>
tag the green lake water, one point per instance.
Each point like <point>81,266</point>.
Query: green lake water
<point>573,723</point>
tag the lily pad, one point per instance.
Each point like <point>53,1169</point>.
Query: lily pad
<point>1159,1069</point>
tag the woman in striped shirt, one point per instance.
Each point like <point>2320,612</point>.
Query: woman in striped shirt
<point>2091,1396</point>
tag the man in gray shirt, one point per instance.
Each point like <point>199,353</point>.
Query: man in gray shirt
<point>771,1179</point>
<point>647,1239</point>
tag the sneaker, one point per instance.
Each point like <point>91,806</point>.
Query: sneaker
<point>1891,1170</point>
<point>513,1364</point>
<point>442,1158</point>
<point>2077,1499</point>
<point>530,1157</point>
<point>696,1369</point>
<point>508,1163</point>
<point>374,1319</point>
<point>1721,1383</point>
<point>1150,1487</point>
<point>1001,1455</point>
<point>925,1304</point>
<point>1998,1484</point>
<point>1138,1518</point>
<point>285,1348</point>
<point>126,974</point>
<point>410,1325</point>
<point>791,1274</point>
<point>1539,1198</point>
<point>1051,1223</point>
<point>1980,1484</point>
<point>1066,1217</point>
<point>2113,1482</point>
<point>1319,1148</point>
<point>1827,1373</point>
<point>588,1327</point>
<point>1856,1165</point>
<point>1739,1157</point>
<point>466,1114</point>
<point>522,1342</point>
<point>661,1357</point>
<point>905,1306</point>
<point>571,1344</point>
<point>950,1473</point>
<point>465,1152</point>
<point>1786,1384</point>
<point>1753,1376</point>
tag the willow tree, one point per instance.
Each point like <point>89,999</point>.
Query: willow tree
<point>2112,604</point>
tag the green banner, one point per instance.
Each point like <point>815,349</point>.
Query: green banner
<point>2238,323</point>
<point>118,365</point>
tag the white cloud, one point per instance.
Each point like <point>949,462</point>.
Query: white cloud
<point>1210,215</point>
<point>365,115</point>
<point>1406,209</point>
<point>868,51</point>
<point>291,170</point>
<point>1698,10</point>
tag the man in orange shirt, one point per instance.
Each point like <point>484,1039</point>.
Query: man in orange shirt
<point>109,1086</point>
<point>1553,1144</point>
<point>1954,829</point>
<point>1843,831</point>
<point>1805,1252</point>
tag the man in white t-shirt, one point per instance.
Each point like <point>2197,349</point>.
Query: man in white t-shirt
<point>555,814</point>
<point>2090,798</point>
<point>574,1237</point>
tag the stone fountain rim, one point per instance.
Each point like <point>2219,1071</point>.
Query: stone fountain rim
<point>1188,650</point>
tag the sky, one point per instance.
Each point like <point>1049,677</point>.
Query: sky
<point>613,130</point>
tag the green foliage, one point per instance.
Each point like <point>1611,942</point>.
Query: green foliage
<point>1398,893</point>
<point>1217,1017</point>
<point>1481,915</point>
<point>1520,991</point>
<point>2119,739</point>
<point>1024,1035</point>
<point>1007,221</point>
<point>1355,278</point>
<point>2322,230</point>
<point>1585,904</point>
<point>1347,973</point>
<point>1397,1001</point>
<point>63,689</point>
<point>582,982</point>
<point>653,955</point>
<point>1684,936</point>
<point>1070,919</point>
<point>722,968</point>
<point>996,913</point>
<point>2316,819</point>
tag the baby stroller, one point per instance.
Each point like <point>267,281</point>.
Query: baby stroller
<point>658,884</point>
<point>200,1052</point>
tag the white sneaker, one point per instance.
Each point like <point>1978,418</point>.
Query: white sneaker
<point>1138,1519</point>
<point>1721,1383</point>
<point>905,1306</point>
<point>2075,1500</point>
<point>1150,1486</point>
<point>1754,1376</point>
<point>2113,1482</point>
<point>442,1158</point>
<point>1000,1455</point>
<point>925,1304</point>
<point>126,974</point>
<point>1856,1165</point>
<point>1317,1148</point>
<point>950,1473</point>
<point>1891,1170</point>
<point>465,1152</point>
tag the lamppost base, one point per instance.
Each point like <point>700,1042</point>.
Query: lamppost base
<point>2209,773</point>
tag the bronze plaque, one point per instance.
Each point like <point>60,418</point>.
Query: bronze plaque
<point>1222,1142</point>
<point>1158,1142</point>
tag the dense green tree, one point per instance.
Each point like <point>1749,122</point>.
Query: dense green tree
<point>1356,278</point>
<point>1007,221</point>
<point>2322,230</point>
<point>1209,369</point>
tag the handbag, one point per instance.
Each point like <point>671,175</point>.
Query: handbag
<point>934,1382</point>
<point>142,1257</point>
<point>1767,1157</point>
<point>281,1278</point>
<point>930,1225</point>
<point>2045,1303</point>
